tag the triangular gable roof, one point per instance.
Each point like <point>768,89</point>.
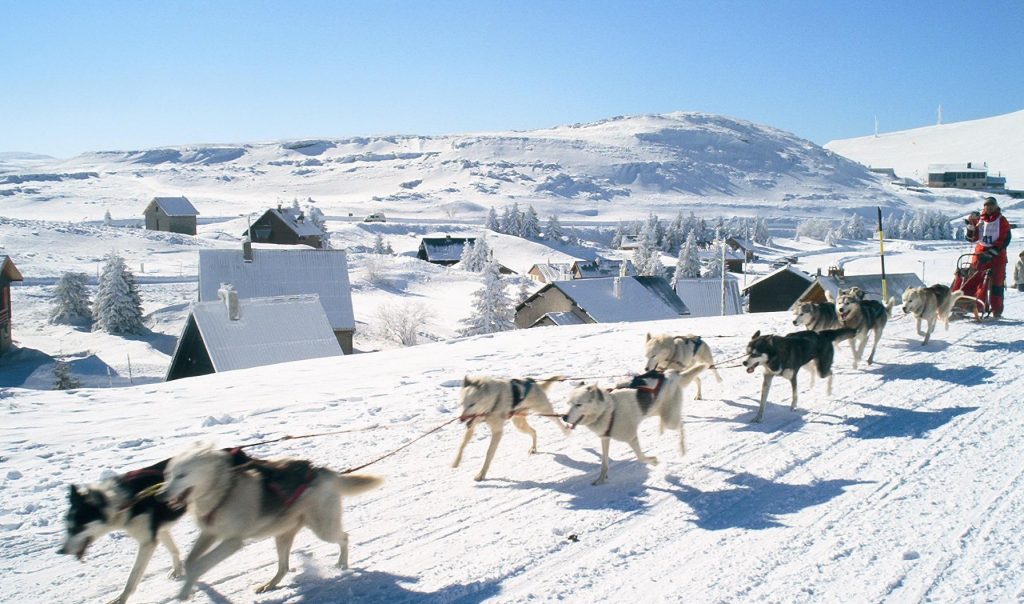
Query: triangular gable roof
<point>268,331</point>
<point>444,249</point>
<point>730,254</point>
<point>282,273</point>
<point>561,318</point>
<point>520,255</point>
<point>704,296</point>
<point>641,298</point>
<point>552,272</point>
<point>602,267</point>
<point>895,285</point>
<point>303,228</point>
<point>8,269</point>
<point>175,206</point>
<point>788,267</point>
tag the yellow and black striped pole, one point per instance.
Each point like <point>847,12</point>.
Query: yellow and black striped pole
<point>881,254</point>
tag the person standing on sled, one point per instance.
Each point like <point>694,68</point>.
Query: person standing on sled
<point>991,234</point>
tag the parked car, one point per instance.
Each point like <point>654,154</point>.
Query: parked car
<point>375,217</point>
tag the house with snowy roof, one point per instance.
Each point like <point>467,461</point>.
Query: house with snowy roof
<point>230,333</point>
<point>519,255</point>
<point>602,267</point>
<point>603,300</point>
<point>703,297</point>
<point>744,247</point>
<point>445,251</point>
<point>777,290</point>
<point>826,287</point>
<point>8,274</point>
<point>263,273</point>
<point>171,215</point>
<point>285,226</point>
<point>548,272</point>
<point>733,259</point>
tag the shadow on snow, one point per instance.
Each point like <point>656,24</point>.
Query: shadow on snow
<point>752,502</point>
<point>972,375</point>
<point>892,422</point>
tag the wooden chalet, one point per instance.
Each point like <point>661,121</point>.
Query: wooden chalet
<point>8,274</point>
<point>172,215</point>
<point>282,226</point>
<point>777,290</point>
<point>445,251</point>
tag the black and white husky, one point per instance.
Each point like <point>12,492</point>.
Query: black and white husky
<point>235,497</point>
<point>930,304</point>
<point>494,401</point>
<point>867,317</point>
<point>680,353</point>
<point>125,503</point>
<point>617,413</point>
<point>785,355</point>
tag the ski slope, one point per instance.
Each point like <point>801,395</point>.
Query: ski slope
<point>905,486</point>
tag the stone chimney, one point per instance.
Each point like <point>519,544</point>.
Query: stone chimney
<point>617,287</point>
<point>246,250</point>
<point>228,294</point>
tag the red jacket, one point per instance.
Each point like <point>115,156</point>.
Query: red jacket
<point>991,232</point>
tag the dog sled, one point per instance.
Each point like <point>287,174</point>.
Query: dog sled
<point>969,279</point>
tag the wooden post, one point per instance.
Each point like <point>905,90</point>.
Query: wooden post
<point>881,255</point>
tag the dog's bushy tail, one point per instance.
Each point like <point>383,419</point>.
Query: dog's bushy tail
<point>838,335</point>
<point>889,305</point>
<point>354,484</point>
<point>547,382</point>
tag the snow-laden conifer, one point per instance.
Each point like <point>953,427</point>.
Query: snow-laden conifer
<point>117,307</point>
<point>492,309</point>
<point>72,305</point>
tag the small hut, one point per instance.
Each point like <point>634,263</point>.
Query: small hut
<point>171,215</point>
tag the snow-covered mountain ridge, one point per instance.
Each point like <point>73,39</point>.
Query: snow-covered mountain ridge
<point>995,141</point>
<point>606,170</point>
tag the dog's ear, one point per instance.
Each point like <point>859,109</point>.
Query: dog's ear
<point>74,495</point>
<point>465,381</point>
<point>648,337</point>
<point>757,334</point>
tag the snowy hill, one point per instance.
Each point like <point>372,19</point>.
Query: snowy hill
<point>905,486</point>
<point>602,171</point>
<point>994,140</point>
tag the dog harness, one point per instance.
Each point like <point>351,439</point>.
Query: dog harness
<point>520,390</point>
<point>646,395</point>
<point>282,481</point>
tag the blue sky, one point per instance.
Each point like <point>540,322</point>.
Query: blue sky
<point>79,76</point>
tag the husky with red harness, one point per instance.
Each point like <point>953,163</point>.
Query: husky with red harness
<point>616,413</point>
<point>236,497</point>
<point>990,232</point>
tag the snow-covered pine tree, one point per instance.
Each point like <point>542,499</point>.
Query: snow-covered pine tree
<point>530,228</point>
<point>688,262</point>
<point>526,287</point>
<point>620,232</point>
<point>674,236</point>
<point>379,247</point>
<point>295,209</point>
<point>553,229</point>
<point>507,223</point>
<point>492,220</point>
<point>492,309</point>
<point>481,254</point>
<point>107,220</point>
<point>830,238</point>
<point>761,234</point>
<point>72,306</point>
<point>713,268</point>
<point>62,378</point>
<point>117,307</point>
<point>467,260</point>
<point>516,227</point>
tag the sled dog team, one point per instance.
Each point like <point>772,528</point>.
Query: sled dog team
<point>234,497</point>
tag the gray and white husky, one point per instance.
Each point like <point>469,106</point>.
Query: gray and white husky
<point>929,304</point>
<point>494,401</point>
<point>126,503</point>
<point>235,497</point>
<point>786,355</point>
<point>680,353</point>
<point>817,316</point>
<point>617,413</point>
<point>867,317</point>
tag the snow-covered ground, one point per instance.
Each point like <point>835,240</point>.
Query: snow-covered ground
<point>905,486</point>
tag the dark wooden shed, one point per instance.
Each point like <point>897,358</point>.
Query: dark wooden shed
<point>777,290</point>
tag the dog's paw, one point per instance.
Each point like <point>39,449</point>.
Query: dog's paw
<point>600,481</point>
<point>121,599</point>
<point>265,587</point>
<point>479,477</point>
<point>176,573</point>
<point>185,594</point>
<point>651,461</point>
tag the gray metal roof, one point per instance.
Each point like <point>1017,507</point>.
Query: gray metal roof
<point>895,285</point>
<point>282,273</point>
<point>267,331</point>
<point>176,206</point>
<point>302,228</point>
<point>553,272</point>
<point>562,318</point>
<point>704,296</point>
<point>639,299</point>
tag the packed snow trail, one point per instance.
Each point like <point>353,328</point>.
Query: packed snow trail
<point>903,487</point>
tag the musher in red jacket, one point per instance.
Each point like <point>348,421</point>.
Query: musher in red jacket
<point>991,232</point>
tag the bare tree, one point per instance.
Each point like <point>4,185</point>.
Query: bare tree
<point>402,324</point>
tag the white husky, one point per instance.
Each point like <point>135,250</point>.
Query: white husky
<point>494,401</point>
<point>235,497</point>
<point>617,413</point>
<point>929,304</point>
<point>680,353</point>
